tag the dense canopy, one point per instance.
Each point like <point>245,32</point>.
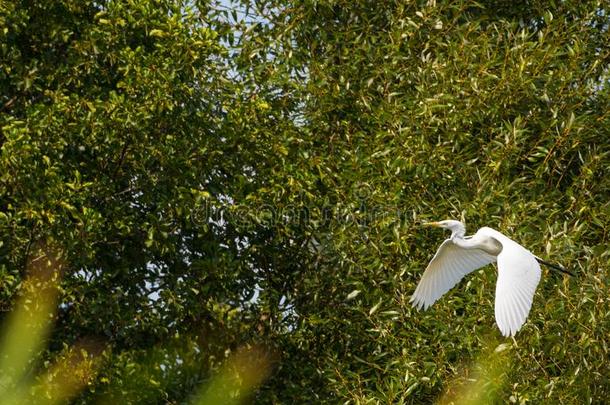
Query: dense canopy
<point>246,180</point>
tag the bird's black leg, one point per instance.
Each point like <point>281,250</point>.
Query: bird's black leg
<point>555,267</point>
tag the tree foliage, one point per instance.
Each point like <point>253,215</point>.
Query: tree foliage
<point>220,175</point>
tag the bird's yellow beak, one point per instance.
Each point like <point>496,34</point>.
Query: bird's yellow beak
<point>435,224</point>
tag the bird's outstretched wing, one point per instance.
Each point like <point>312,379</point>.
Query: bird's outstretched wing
<point>448,266</point>
<point>518,277</point>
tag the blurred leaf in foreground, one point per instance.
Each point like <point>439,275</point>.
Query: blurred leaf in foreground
<point>241,374</point>
<point>25,332</point>
<point>483,381</point>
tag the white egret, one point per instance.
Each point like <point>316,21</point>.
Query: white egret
<point>518,272</point>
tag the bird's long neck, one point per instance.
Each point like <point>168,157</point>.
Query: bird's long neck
<point>464,243</point>
<point>487,244</point>
<point>458,231</point>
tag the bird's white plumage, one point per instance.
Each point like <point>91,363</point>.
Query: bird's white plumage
<point>518,273</point>
<point>518,277</point>
<point>448,266</point>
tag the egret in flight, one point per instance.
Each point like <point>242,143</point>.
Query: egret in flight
<point>518,272</point>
